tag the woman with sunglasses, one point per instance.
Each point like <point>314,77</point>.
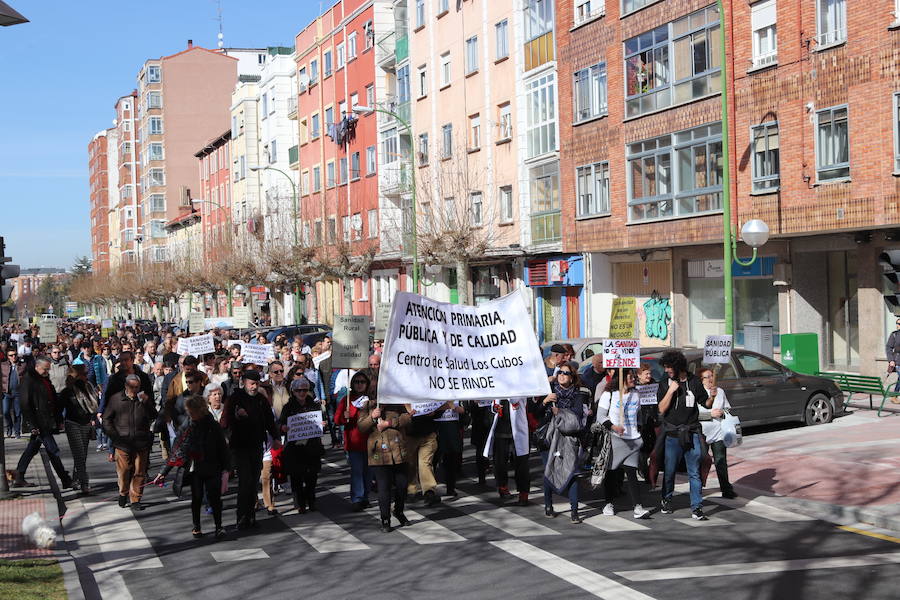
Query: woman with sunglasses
<point>566,408</point>
<point>302,459</point>
<point>355,442</point>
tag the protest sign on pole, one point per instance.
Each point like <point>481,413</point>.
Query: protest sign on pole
<point>436,351</point>
<point>47,331</point>
<point>622,317</point>
<point>106,328</point>
<point>304,426</point>
<point>717,349</point>
<point>196,323</point>
<point>241,317</point>
<point>382,316</point>
<point>647,394</point>
<point>621,354</point>
<point>350,342</point>
<point>218,323</point>
<point>257,354</point>
<point>196,345</point>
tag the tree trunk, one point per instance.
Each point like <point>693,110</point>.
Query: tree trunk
<point>313,303</point>
<point>462,280</point>
<point>348,295</point>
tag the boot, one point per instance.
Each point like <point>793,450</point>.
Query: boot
<point>576,518</point>
<point>523,499</point>
<point>504,493</point>
<point>402,518</point>
<point>386,526</point>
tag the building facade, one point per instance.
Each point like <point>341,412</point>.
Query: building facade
<point>100,196</point>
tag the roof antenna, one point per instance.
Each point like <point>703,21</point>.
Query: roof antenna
<point>219,17</point>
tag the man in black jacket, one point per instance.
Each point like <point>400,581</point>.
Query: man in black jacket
<point>42,414</point>
<point>249,417</point>
<point>127,420</point>
<point>679,394</point>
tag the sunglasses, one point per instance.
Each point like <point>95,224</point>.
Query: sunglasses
<point>564,373</point>
<point>275,372</point>
<point>193,381</point>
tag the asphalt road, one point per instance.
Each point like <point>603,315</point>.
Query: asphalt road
<point>474,547</point>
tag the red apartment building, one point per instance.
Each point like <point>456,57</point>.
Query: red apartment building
<point>99,199</point>
<point>336,157</point>
<point>214,198</point>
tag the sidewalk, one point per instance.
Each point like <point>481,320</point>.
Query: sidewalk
<point>846,471</point>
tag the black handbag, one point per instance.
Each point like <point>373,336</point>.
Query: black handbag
<point>540,437</point>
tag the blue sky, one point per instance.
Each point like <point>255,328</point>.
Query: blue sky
<point>61,75</point>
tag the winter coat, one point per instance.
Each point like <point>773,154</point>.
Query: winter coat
<point>201,444</point>
<point>40,407</point>
<point>301,454</point>
<point>564,457</point>
<point>354,439</point>
<point>386,447</point>
<point>59,368</point>
<point>127,421</point>
<point>10,385</point>
<point>248,433</point>
<point>72,408</point>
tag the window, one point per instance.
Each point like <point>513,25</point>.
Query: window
<point>155,150</point>
<point>234,127</point>
<point>318,232</point>
<point>831,22</point>
<point>371,165</point>
<point>420,13</point>
<point>762,23</point>
<point>345,228</point>
<point>538,18</point>
<point>306,234</point>
<point>314,126</point>
<point>373,223</point>
<point>242,161</point>
<point>304,131</point>
<point>758,366</point>
<point>341,58</point>
<point>443,6</point>
<point>343,173</point>
<point>694,186</point>
<point>541,102</point>
<point>354,100</point>
<point>472,54</point>
<point>629,6</point>
<point>156,177</point>
<point>351,46</point>
<point>832,144</point>
<point>125,192</point>
<point>370,95</point>
<point>326,63</point>
<point>506,204</point>
<point>329,117</point>
<point>403,84</point>
<point>477,208</point>
<point>317,178</point>
<point>592,182</point>
<point>422,152</point>
<point>588,9</point>
<point>264,101</point>
<point>474,132</point>
<point>590,93</point>
<point>543,183</point>
<point>154,100</point>
<point>273,151</point>
<point>765,157</point>
<point>159,254</point>
<point>369,34</point>
<point>445,69</point>
<point>422,78</point>
<point>304,183</point>
<point>154,74</point>
<point>505,122</point>
<point>332,233</point>
<point>672,64</point>
<point>354,166</point>
<point>313,71</point>
<point>156,203</point>
<point>447,138</point>
<point>501,32</point>
<point>155,125</point>
<point>157,228</point>
<point>391,145</point>
<point>329,174</point>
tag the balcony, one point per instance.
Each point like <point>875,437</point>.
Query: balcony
<point>294,157</point>
<point>292,108</point>
<point>394,179</point>
<point>402,48</point>
<point>385,52</point>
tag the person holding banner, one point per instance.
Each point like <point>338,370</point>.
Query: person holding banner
<point>711,414</point>
<point>355,442</point>
<point>510,428</point>
<point>621,417</point>
<point>450,443</point>
<point>302,459</point>
<point>421,446</point>
<point>386,446</point>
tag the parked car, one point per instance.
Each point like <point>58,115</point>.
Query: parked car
<point>291,330</point>
<point>585,348</point>
<point>761,390</point>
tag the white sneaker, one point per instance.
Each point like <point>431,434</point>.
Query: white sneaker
<point>608,510</point>
<point>640,512</point>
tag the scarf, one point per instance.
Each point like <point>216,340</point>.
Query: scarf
<point>86,397</point>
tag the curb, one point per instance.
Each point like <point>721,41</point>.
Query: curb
<point>53,506</point>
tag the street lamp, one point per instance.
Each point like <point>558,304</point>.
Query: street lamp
<point>294,224</point>
<point>364,110</point>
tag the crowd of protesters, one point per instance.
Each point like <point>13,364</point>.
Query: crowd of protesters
<point>217,417</point>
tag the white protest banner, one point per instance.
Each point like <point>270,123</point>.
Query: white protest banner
<point>233,342</point>
<point>218,323</point>
<point>47,331</point>
<point>241,317</point>
<point>647,394</point>
<point>350,347</point>
<point>106,324</point>
<point>449,414</point>
<point>485,403</point>
<point>382,317</point>
<point>196,323</point>
<point>621,354</point>
<point>436,351</point>
<point>717,349</point>
<point>304,426</point>
<point>257,354</point>
<point>426,408</point>
<point>196,345</point>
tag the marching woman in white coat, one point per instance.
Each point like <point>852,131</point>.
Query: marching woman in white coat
<point>711,421</point>
<point>510,425</point>
<point>621,418</point>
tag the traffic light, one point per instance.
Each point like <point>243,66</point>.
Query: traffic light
<point>6,272</point>
<point>890,264</point>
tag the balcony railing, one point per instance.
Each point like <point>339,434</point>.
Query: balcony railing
<point>385,49</point>
<point>292,108</point>
<point>395,178</point>
<point>402,48</point>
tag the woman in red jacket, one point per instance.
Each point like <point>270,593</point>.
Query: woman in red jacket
<point>355,442</point>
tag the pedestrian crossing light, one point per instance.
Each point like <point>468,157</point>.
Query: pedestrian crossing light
<point>890,264</point>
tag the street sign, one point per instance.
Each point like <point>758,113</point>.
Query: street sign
<point>71,308</point>
<point>350,348</point>
<point>622,317</point>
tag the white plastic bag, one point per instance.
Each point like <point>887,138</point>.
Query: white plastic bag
<point>731,430</point>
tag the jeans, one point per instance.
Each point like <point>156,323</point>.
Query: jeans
<point>571,491</point>
<point>720,460</point>
<point>674,452</point>
<point>360,476</point>
<point>12,414</point>
<point>31,450</point>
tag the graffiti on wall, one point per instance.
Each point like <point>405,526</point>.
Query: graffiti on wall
<point>657,317</point>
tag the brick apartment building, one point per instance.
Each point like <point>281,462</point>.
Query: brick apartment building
<point>100,199</point>
<point>813,114</point>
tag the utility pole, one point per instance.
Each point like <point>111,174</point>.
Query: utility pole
<point>7,271</point>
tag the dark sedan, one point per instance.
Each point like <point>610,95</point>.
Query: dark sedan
<point>763,391</point>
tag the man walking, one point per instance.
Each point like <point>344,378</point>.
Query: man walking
<point>892,349</point>
<point>10,374</point>
<point>127,420</point>
<point>42,415</point>
<point>59,368</point>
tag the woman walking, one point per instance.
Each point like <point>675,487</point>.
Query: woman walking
<point>356,442</point>
<point>80,403</point>
<point>302,459</point>
<point>711,415</point>
<point>386,427</point>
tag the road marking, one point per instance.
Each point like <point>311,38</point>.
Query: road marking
<point>875,534</point>
<point>614,523</point>
<point>110,584</point>
<point>501,518</point>
<point>242,554</point>
<point>592,583</point>
<point>325,535</point>
<point>710,522</point>
<point>760,509</point>
<point>121,538</point>
<point>768,566</point>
